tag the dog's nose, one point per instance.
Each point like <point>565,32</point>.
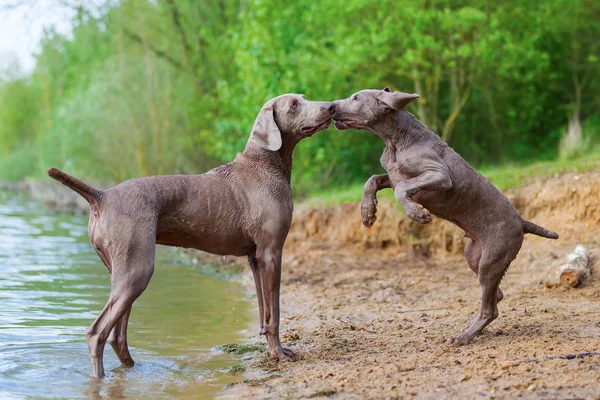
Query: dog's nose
<point>330,108</point>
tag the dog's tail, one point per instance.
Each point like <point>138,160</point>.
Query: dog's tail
<point>530,227</point>
<point>93,196</point>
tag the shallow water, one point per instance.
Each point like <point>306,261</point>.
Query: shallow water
<point>52,286</point>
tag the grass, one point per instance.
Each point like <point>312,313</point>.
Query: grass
<point>263,362</point>
<point>504,177</point>
<point>235,348</point>
<point>266,363</point>
<point>332,197</point>
<point>238,368</point>
<point>509,176</point>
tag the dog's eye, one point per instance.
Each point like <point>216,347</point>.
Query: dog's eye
<point>355,98</point>
<point>294,104</point>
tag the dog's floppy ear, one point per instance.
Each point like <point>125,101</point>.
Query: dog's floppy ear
<point>396,100</point>
<point>265,132</point>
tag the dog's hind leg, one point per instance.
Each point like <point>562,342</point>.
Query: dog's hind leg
<point>118,339</point>
<point>132,261</point>
<point>495,260</point>
<point>473,255</point>
<point>118,336</point>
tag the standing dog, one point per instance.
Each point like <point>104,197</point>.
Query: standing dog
<point>428,177</point>
<point>243,208</point>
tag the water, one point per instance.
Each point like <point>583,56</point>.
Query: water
<point>52,286</point>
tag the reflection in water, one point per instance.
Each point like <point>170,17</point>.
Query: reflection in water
<point>52,286</point>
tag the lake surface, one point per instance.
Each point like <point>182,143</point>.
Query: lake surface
<point>53,285</point>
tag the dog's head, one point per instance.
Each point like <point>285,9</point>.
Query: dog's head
<point>366,108</point>
<point>290,117</point>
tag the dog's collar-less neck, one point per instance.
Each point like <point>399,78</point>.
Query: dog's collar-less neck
<point>402,131</point>
<point>391,130</point>
<point>280,160</point>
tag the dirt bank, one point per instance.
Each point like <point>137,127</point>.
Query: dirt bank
<point>568,203</point>
<point>369,310</point>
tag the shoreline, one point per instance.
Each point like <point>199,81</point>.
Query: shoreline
<point>63,200</point>
<point>368,310</point>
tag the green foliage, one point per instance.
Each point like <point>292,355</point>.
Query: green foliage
<point>512,175</point>
<point>147,87</point>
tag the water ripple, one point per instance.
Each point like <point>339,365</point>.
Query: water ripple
<point>52,286</point>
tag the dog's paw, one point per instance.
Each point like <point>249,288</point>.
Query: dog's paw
<point>284,354</point>
<point>418,213</point>
<point>458,341</point>
<point>289,355</point>
<point>368,209</point>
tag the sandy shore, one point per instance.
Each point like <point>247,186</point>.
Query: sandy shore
<point>369,311</point>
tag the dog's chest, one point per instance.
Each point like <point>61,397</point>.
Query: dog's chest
<point>400,166</point>
<point>387,159</point>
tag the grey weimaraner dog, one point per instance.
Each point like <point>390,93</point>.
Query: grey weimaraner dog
<point>243,208</point>
<point>429,177</point>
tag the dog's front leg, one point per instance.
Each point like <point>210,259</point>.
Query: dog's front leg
<point>368,206</point>
<point>437,179</point>
<point>259,289</point>
<point>269,263</point>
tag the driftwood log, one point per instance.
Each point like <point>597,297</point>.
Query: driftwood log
<point>578,269</point>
